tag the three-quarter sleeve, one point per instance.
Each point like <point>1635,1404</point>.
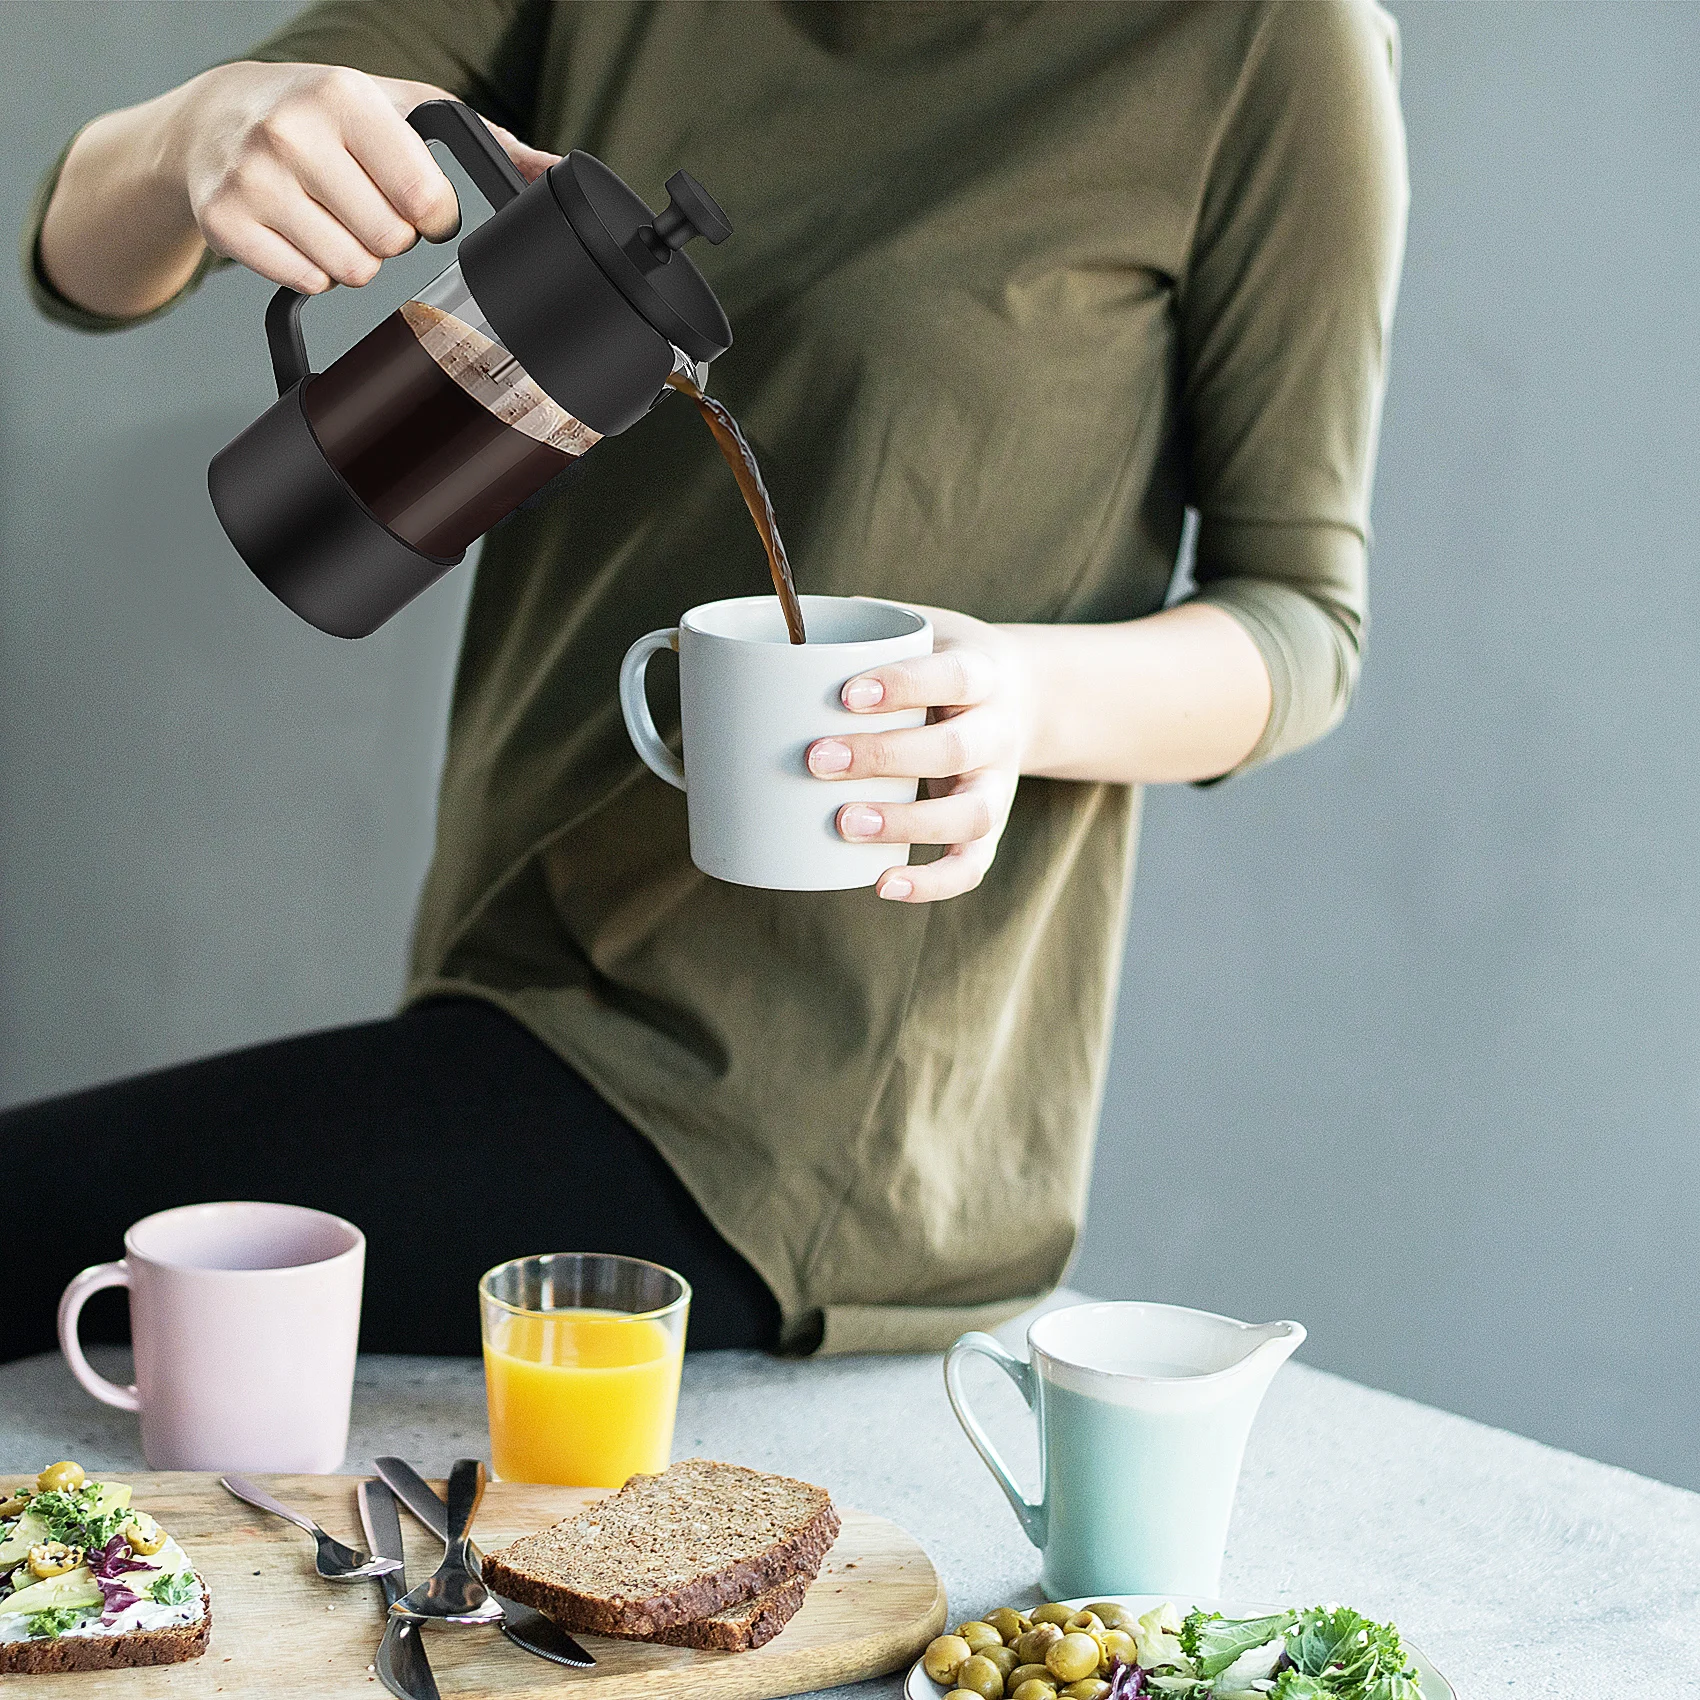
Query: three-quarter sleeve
<point>485,52</point>
<point>1285,311</point>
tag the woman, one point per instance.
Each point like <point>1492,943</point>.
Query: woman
<point>1012,285</point>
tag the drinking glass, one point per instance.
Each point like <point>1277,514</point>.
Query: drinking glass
<point>582,1353</point>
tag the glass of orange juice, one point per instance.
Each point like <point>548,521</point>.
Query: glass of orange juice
<point>582,1353</point>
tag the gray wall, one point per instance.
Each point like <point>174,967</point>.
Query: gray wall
<point>213,821</point>
<point>1406,1046</point>
<point>1408,1034</point>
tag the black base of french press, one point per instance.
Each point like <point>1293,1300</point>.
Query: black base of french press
<point>306,536</point>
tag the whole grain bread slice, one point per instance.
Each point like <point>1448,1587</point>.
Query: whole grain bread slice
<point>670,1549</point>
<point>48,1657</point>
<point>740,1628</point>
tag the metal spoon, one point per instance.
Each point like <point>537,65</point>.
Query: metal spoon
<point>333,1560</point>
<point>454,1594</point>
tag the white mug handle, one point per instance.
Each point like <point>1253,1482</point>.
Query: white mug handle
<point>634,705</point>
<point>1032,1517</point>
<point>76,1295</point>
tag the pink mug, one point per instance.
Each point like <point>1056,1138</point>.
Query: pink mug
<point>244,1319</point>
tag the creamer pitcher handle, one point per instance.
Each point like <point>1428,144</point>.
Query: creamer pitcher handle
<point>1022,1374</point>
<point>81,1289</point>
<point>634,705</point>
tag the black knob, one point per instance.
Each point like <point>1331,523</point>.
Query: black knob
<point>690,211</point>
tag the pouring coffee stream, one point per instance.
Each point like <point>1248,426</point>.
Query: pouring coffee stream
<point>735,446</point>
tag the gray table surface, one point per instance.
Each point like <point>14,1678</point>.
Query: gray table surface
<point>1520,1570</point>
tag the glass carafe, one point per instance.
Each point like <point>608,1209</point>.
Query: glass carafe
<point>435,426</point>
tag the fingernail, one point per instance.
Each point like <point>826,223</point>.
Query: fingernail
<point>896,888</point>
<point>859,821</point>
<point>829,756</point>
<point>864,693</point>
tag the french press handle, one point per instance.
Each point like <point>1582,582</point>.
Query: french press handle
<point>480,155</point>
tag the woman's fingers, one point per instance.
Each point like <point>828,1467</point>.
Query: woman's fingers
<point>371,118</point>
<point>969,818</point>
<point>958,870</point>
<point>948,678</point>
<point>264,251</point>
<point>959,818</point>
<point>338,182</point>
<point>961,744</point>
<point>280,204</point>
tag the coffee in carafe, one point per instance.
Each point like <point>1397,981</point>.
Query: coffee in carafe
<point>436,427</point>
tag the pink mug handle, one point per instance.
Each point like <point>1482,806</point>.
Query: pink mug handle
<point>76,1295</point>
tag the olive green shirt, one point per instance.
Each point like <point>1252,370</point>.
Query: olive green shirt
<point>1012,286</point>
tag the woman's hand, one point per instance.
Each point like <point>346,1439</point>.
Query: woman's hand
<point>977,689</point>
<point>307,174</point>
<point>310,174</point>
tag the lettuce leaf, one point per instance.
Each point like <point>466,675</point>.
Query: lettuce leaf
<point>1351,1656</point>
<point>1215,1641</point>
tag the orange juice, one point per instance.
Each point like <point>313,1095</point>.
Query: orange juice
<point>585,1398</point>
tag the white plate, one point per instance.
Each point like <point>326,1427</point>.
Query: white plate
<point>1433,1685</point>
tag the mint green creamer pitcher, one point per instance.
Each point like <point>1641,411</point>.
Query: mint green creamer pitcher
<point>1143,1412</point>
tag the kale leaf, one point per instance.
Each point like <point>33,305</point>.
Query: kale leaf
<point>174,1589</point>
<point>53,1623</point>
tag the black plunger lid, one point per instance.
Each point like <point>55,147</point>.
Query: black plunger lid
<point>638,250</point>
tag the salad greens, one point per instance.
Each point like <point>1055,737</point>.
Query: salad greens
<point>1325,1653</point>
<point>54,1622</point>
<point>75,1515</point>
<point>174,1589</point>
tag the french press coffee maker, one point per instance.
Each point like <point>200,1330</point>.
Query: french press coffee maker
<point>558,325</point>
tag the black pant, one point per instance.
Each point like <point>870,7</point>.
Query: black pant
<point>450,1135</point>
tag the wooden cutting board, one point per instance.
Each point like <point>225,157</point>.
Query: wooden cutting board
<point>279,1632</point>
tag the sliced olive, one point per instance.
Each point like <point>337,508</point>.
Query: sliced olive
<point>53,1558</point>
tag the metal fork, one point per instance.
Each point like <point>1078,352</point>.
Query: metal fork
<point>455,1594</point>
<point>333,1560</point>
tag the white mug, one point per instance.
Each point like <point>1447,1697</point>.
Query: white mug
<point>751,703</point>
<point>244,1319</point>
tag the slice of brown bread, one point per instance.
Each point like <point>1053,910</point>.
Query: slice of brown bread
<point>669,1549</point>
<point>109,1652</point>
<point>742,1627</point>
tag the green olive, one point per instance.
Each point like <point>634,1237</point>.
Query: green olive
<point>1034,1689</point>
<point>980,1676</point>
<point>1058,1615</point>
<point>1088,1688</point>
<point>1037,1642</point>
<point>14,1504</point>
<point>53,1558</point>
<point>978,1635</point>
<point>1113,1616</point>
<point>1118,1644</point>
<point>1088,1622</point>
<point>61,1475</point>
<point>1003,1657</point>
<point>944,1657</point>
<point>1074,1657</point>
<point>1023,1674</point>
<point>962,1694</point>
<point>1008,1622</point>
<point>145,1536</point>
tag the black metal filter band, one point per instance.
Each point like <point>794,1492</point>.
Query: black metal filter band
<point>305,535</point>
